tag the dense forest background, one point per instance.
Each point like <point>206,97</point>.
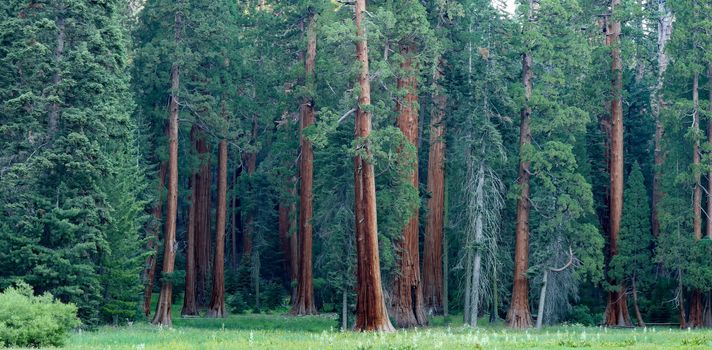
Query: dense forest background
<point>549,165</point>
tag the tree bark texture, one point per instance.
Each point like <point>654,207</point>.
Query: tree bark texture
<point>304,302</point>
<point>519,315</point>
<point>617,308</point>
<point>371,312</point>
<point>638,315</point>
<point>407,307</point>
<point>202,216</point>
<point>152,244</point>
<point>433,278</point>
<point>163,308</point>
<point>217,298</point>
<point>695,316</point>
<point>190,308</point>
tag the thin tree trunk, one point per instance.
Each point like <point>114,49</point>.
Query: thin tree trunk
<point>217,299</point>
<point>407,305</point>
<point>468,287</point>
<point>709,143</point>
<point>433,243</point>
<point>304,302</point>
<point>371,313</point>
<point>695,316</point>
<point>638,315</point>
<point>542,299</point>
<point>153,242</point>
<point>519,315</point>
<point>163,308</point>
<point>664,32</point>
<point>617,307</point>
<point>190,307</point>
<point>477,263</point>
<point>234,221</point>
<point>344,311</point>
<point>293,243</point>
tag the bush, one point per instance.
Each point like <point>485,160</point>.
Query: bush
<point>581,314</point>
<point>27,320</point>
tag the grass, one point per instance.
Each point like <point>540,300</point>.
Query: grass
<point>276,331</point>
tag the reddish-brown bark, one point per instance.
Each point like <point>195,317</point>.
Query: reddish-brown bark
<point>163,308</point>
<point>408,308</point>
<point>202,217</point>
<point>371,313</point>
<point>153,242</point>
<point>304,302</point>
<point>190,308</point>
<point>217,299</point>
<point>617,309</point>
<point>433,245</point>
<point>519,315</point>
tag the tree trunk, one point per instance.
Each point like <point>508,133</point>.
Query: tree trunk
<point>304,302</point>
<point>153,242</point>
<point>467,310</point>
<point>519,315</point>
<point>709,142</point>
<point>202,217</point>
<point>293,243</point>
<point>190,308</point>
<point>695,316</point>
<point>234,218</point>
<point>638,315</point>
<point>542,299</point>
<point>407,305</point>
<point>477,263</point>
<point>217,299</point>
<point>283,227</point>
<point>664,32</point>
<point>163,308</point>
<point>344,311</point>
<point>617,307</point>
<point>433,292</point>
<point>371,313</point>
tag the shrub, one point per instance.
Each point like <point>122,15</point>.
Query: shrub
<point>27,320</point>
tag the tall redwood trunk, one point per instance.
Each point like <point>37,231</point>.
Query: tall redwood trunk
<point>202,217</point>
<point>695,316</point>
<point>153,242</point>
<point>617,309</point>
<point>371,313</point>
<point>190,308</point>
<point>519,315</point>
<point>433,280</point>
<point>217,299</point>
<point>163,308</point>
<point>408,309</point>
<point>304,302</point>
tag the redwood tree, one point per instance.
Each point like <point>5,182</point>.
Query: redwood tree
<point>202,216</point>
<point>217,300</point>
<point>408,309</point>
<point>304,301</point>
<point>433,245</point>
<point>190,308</point>
<point>617,309</point>
<point>163,308</point>
<point>371,312</point>
<point>153,242</point>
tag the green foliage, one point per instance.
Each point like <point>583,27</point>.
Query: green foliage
<point>27,320</point>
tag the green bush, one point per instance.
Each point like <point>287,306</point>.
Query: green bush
<point>27,320</point>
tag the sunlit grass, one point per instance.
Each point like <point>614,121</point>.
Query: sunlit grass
<point>282,332</point>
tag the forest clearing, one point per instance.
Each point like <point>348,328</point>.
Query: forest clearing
<point>350,174</point>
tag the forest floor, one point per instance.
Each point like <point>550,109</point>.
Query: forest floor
<point>275,331</point>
